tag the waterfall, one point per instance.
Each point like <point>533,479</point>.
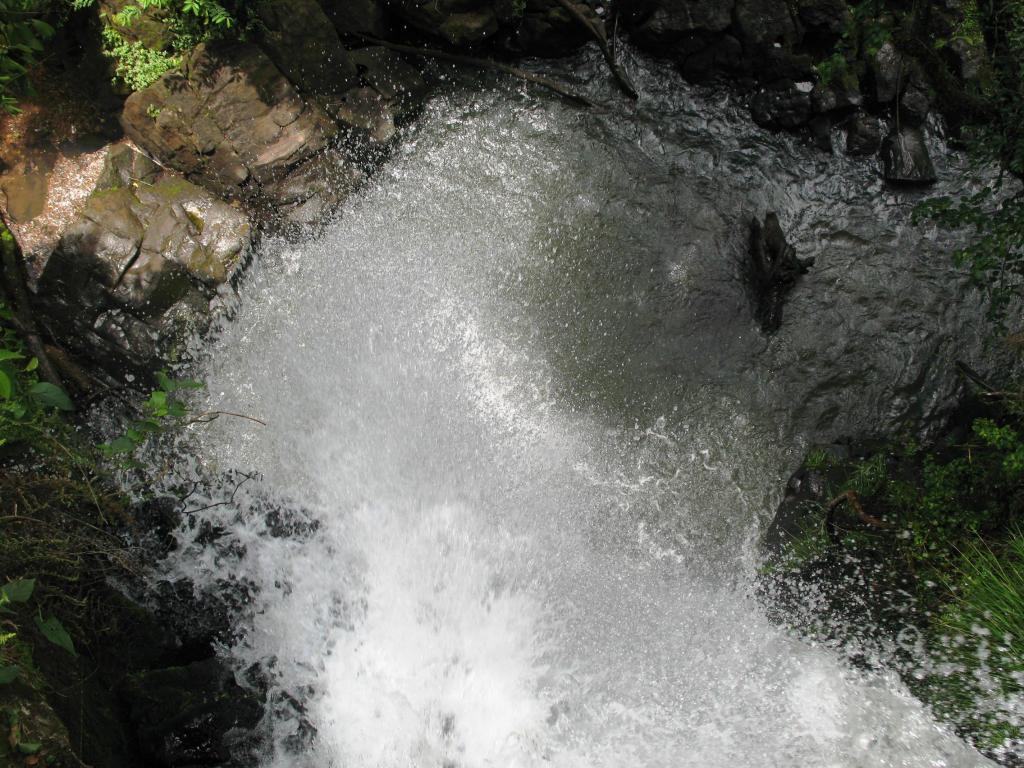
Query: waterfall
<point>522,437</point>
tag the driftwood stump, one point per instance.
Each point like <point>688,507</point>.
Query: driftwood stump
<point>774,269</point>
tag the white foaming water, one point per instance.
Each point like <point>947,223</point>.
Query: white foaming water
<point>517,559</point>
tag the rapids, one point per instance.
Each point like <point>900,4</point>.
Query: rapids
<point>526,437</point>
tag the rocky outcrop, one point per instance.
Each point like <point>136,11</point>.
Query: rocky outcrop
<point>139,267</point>
<point>230,121</point>
<point>190,715</point>
<point>773,270</point>
<point>863,134</point>
<point>303,44</point>
<point>905,158</point>
<point>547,29</point>
<point>361,17</point>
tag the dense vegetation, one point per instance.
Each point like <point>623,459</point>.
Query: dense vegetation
<point>138,58</point>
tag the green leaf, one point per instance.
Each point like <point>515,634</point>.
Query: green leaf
<point>157,403</point>
<point>32,365</point>
<point>54,631</point>
<point>5,385</point>
<point>10,354</point>
<point>8,674</point>
<point>18,591</point>
<point>121,445</point>
<point>51,396</point>
<point>29,747</point>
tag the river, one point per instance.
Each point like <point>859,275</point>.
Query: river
<point>523,437</point>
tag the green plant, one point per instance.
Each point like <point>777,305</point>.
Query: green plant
<point>163,411</point>
<point>23,32</point>
<point>980,636</point>
<point>12,656</point>
<point>28,406</point>
<point>135,64</point>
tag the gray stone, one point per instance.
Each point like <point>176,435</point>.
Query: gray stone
<point>905,158</point>
<point>668,21</point>
<point>763,23</point>
<point>863,135</point>
<point>886,68</point>
<point>781,107</point>
<point>832,16</point>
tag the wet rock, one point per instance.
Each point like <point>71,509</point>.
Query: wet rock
<point>364,17</point>
<point>969,58</point>
<point>723,55</point>
<point>663,24</point>
<point>886,68</point>
<point>392,77</point>
<point>123,166</point>
<point>821,132</point>
<point>140,265</point>
<point>317,188</point>
<point>863,134</point>
<point>786,105</point>
<point>915,101</point>
<point>824,22</point>
<point>229,120</point>
<point>547,29</point>
<point>25,195</point>
<point>764,23</point>
<point>841,96</point>
<point>773,270</point>
<point>302,42</point>
<point>190,715</point>
<point>905,158</point>
<point>457,22</point>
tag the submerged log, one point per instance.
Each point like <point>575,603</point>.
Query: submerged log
<point>774,269</point>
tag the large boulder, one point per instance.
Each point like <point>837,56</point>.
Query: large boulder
<point>905,158</point>
<point>765,23</point>
<point>360,17</point>
<point>461,23</point>
<point>824,22</point>
<point>663,23</point>
<point>191,715</point>
<point>229,120</point>
<point>548,29</point>
<point>863,134</point>
<point>302,42</point>
<point>784,105</point>
<point>887,70</point>
<point>140,265</point>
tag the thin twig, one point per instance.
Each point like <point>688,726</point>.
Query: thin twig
<point>208,416</point>
<point>853,500</point>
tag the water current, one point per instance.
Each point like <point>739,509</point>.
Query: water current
<point>526,437</point>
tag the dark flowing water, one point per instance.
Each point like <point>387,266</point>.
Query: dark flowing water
<point>517,386</point>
